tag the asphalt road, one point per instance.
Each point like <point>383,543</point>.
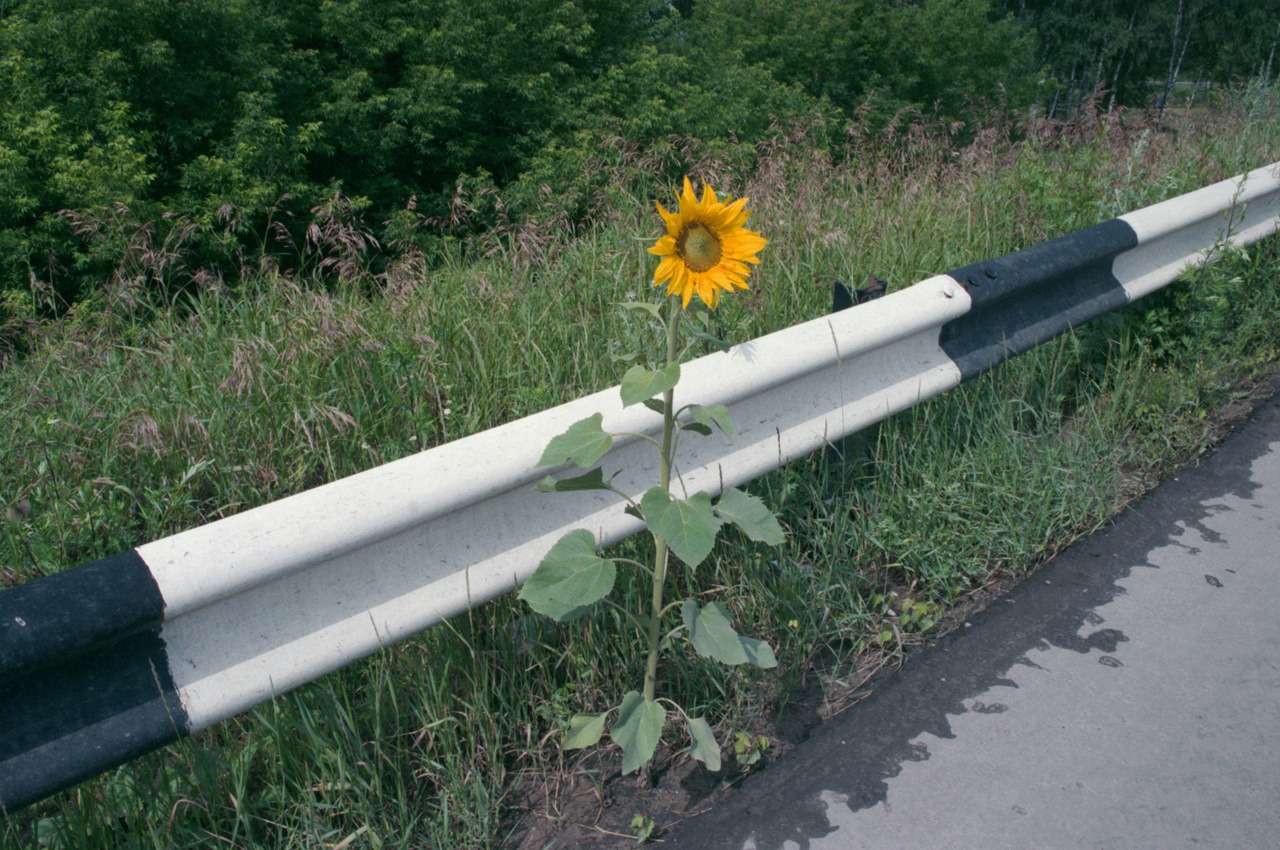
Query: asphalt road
<point>1127,696</point>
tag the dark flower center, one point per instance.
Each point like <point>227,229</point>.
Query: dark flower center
<point>698,247</point>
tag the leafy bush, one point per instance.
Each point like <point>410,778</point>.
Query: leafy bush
<point>218,124</point>
<point>653,118</point>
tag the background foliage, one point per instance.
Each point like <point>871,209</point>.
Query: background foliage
<point>193,139</point>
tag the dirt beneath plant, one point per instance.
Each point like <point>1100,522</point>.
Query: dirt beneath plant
<point>588,803</point>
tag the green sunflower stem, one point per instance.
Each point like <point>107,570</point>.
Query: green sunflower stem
<point>661,552</point>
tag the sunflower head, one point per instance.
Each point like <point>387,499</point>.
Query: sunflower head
<point>707,249</point>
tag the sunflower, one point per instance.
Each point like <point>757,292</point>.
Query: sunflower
<point>706,249</point>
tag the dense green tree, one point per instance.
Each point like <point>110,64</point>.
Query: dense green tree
<point>958,56</point>
<point>1137,50</point>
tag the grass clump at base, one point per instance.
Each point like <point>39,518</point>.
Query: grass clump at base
<point>145,419</point>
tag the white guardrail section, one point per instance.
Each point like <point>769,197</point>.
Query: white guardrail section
<point>1186,231</point>
<point>272,598</point>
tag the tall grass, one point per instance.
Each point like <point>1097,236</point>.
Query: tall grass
<point>141,419</point>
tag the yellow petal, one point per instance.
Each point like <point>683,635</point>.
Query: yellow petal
<point>672,220</point>
<point>743,243</point>
<point>679,279</point>
<point>666,268</point>
<point>710,296</point>
<point>688,202</point>
<point>733,215</point>
<point>665,246</point>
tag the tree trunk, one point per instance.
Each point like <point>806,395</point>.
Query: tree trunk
<point>1171,77</point>
<point>1115,85</point>
<point>1071,91</point>
<point>1124,51</point>
<point>1182,54</point>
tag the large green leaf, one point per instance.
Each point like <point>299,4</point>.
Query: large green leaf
<point>688,525</point>
<point>640,384</point>
<point>571,576</point>
<point>711,633</point>
<point>759,653</point>
<point>637,730</point>
<point>751,515</point>
<point>584,730</point>
<point>584,443</point>
<point>713,636</point>
<point>705,747</point>
<point>707,415</point>
<point>593,480</point>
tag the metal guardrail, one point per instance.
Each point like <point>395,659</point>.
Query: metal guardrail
<point>114,658</point>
